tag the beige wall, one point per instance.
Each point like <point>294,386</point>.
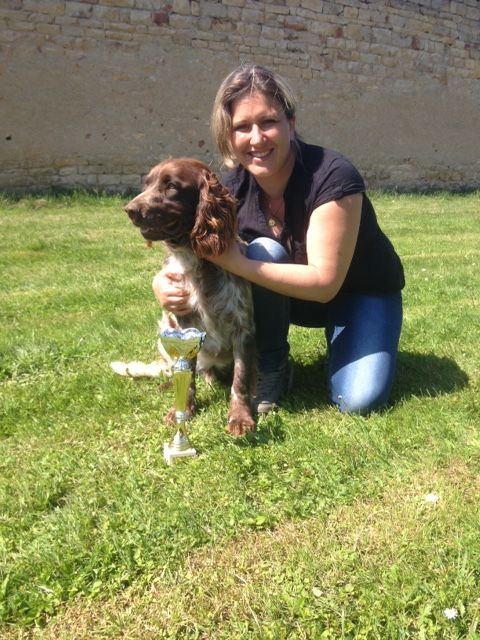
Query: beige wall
<point>92,93</point>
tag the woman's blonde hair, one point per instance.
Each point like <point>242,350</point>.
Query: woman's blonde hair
<point>246,79</point>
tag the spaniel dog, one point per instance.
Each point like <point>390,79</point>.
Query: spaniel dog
<point>184,206</point>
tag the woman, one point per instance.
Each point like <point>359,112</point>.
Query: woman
<point>316,256</point>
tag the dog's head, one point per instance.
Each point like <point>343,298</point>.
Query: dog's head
<point>184,204</point>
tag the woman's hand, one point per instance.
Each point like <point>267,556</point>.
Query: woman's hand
<point>172,294</point>
<point>231,260</point>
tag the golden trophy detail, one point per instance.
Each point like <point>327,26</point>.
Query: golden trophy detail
<point>181,345</point>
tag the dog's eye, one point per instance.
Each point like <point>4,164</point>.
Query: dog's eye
<point>171,188</point>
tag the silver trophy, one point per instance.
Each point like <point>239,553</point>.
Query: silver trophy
<point>181,345</point>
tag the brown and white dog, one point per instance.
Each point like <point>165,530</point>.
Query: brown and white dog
<point>184,206</point>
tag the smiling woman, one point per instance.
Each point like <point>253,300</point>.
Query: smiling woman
<point>262,141</point>
<point>238,85</point>
<point>316,256</point>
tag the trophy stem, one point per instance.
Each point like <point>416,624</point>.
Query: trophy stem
<point>180,446</point>
<point>181,345</point>
<point>180,441</point>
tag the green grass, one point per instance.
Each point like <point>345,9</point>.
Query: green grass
<point>314,527</point>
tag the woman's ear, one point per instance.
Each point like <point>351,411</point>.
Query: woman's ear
<point>215,226</point>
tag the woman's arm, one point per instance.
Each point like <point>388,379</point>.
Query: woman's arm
<point>331,239</point>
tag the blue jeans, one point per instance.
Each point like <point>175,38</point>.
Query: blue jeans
<point>362,333</point>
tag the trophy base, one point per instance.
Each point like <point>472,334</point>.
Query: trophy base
<point>170,453</point>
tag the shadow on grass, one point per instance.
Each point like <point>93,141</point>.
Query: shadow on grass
<point>269,429</point>
<point>418,374</point>
<point>426,374</point>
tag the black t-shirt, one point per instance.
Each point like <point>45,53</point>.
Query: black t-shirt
<point>319,176</point>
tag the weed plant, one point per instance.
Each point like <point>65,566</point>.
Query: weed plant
<point>319,525</point>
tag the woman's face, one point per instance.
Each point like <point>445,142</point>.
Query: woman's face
<point>262,136</point>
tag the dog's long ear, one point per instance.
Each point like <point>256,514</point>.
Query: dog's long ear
<point>215,223</point>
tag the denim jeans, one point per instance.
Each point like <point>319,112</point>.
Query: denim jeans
<point>362,333</point>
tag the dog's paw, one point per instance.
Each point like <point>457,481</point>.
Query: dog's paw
<point>240,425</point>
<point>170,417</point>
<point>137,369</point>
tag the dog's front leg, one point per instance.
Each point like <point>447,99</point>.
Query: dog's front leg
<point>240,418</point>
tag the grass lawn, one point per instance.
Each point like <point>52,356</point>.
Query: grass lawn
<point>319,525</point>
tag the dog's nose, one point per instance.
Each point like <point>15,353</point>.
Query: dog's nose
<point>133,211</point>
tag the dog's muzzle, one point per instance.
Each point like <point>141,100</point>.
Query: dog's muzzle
<point>134,213</point>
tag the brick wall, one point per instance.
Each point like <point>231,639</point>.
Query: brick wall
<point>93,92</point>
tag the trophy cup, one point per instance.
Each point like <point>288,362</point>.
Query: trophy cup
<point>181,345</point>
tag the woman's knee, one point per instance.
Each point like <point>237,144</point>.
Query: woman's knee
<point>364,386</point>
<point>360,403</point>
<point>266,250</point>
